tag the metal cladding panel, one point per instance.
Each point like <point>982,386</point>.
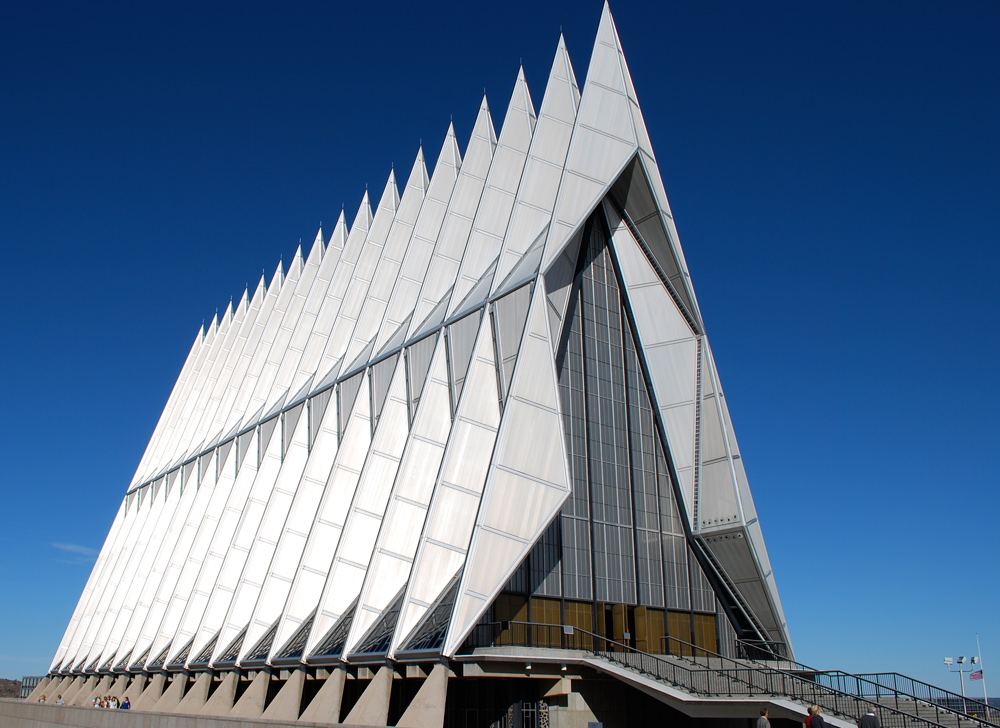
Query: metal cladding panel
<point>498,197</point>
<point>670,348</point>
<point>528,480</point>
<point>197,426</point>
<point>266,394</point>
<point>451,242</point>
<point>459,487</point>
<point>241,402</point>
<point>114,622</point>
<point>328,523</point>
<point>304,326</point>
<point>88,589</point>
<point>603,141</point>
<point>361,529</point>
<point>536,194</point>
<point>187,494</point>
<point>131,603</point>
<point>172,571</point>
<point>425,233</point>
<point>176,394</point>
<point>390,264</point>
<point>252,539</point>
<point>357,290</point>
<point>228,386</point>
<point>310,362</point>
<point>223,502</point>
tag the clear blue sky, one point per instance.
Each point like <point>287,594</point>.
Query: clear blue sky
<point>834,170</point>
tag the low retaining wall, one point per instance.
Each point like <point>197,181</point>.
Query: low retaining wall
<point>19,714</point>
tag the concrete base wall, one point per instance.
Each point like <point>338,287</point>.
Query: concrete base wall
<point>39,691</point>
<point>21,714</point>
<point>251,703</point>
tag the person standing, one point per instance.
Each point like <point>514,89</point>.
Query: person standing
<point>762,721</point>
<point>817,719</point>
<point>869,719</point>
<point>126,704</point>
<point>809,715</point>
<point>60,701</point>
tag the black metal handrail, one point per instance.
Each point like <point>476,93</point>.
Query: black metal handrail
<point>889,685</point>
<point>731,678</point>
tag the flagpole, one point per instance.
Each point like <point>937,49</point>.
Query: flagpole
<point>986,697</point>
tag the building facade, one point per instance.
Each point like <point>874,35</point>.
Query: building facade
<point>485,416</point>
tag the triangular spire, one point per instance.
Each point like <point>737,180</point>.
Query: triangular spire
<point>419,178</point>
<point>338,238</point>
<point>498,197</point>
<point>536,195</point>
<point>277,278</point>
<point>363,219</point>
<point>450,154</point>
<point>450,244</point>
<point>390,195</point>
<point>603,141</point>
<point>316,251</point>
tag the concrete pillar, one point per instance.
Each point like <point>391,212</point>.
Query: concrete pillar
<point>372,707</point>
<point>69,691</point>
<point>118,688</point>
<point>134,689</point>
<point>427,708</point>
<point>172,695</point>
<point>285,705</point>
<point>54,687</point>
<point>196,696</point>
<point>83,694</point>
<point>152,693</point>
<point>251,704</point>
<point>325,706</point>
<point>221,701</point>
<point>39,690</point>
<point>101,689</point>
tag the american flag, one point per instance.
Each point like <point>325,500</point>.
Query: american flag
<point>977,675</point>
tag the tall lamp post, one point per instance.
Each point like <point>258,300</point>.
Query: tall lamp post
<point>973,661</point>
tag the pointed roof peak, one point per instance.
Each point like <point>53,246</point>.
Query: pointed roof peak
<point>278,277</point>
<point>484,105</point>
<point>390,194</point>
<point>418,173</point>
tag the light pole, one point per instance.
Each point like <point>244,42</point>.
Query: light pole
<point>973,661</point>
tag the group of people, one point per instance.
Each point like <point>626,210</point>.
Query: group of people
<point>112,702</point>
<point>815,720</point>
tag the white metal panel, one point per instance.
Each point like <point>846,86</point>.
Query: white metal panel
<point>149,635</point>
<point>329,519</point>
<point>259,515</point>
<point>450,245</point>
<point>445,540</point>
<point>343,329</point>
<point>188,491</point>
<point>329,310</point>
<point>391,262</point>
<point>498,196</point>
<point>528,481</point>
<point>536,194</point>
<point>603,141</point>
<point>425,233</point>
